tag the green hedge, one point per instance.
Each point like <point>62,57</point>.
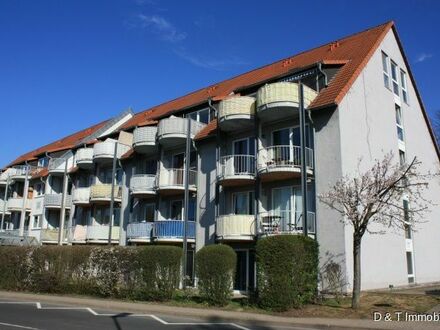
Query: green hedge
<point>215,268</point>
<point>287,268</point>
<point>160,271</point>
<point>150,273</point>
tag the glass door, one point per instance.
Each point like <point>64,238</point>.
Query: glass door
<point>242,149</point>
<point>282,206</point>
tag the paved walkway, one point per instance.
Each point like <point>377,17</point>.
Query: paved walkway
<point>251,320</point>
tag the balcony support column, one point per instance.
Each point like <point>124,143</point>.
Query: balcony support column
<point>125,199</point>
<point>4,203</point>
<point>186,200</point>
<point>302,126</point>
<point>63,206</point>
<point>23,209</point>
<point>112,197</point>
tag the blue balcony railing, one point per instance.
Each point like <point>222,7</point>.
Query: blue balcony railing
<point>139,230</point>
<point>173,229</point>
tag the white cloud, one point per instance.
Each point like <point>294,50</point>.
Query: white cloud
<point>209,63</point>
<point>161,27</point>
<point>423,57</point>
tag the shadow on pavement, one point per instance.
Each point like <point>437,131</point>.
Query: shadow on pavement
<point>116,321</point>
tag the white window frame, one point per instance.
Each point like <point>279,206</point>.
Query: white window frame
<point>248,151</point>
<point>386,69</point>
<point>198,114</point>
<point>404,86</point>
<point>395,81</point>
<point>400,126</point>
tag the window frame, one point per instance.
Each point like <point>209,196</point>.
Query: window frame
<point>395,82</point>
<point>399,126</point>
<point>386,69</point>
<point>404,86</point>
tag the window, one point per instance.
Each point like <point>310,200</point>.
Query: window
<point>406,217</point>
<point>243,202</point>
<point>402,157</point>
<point>37,222</point>
<point>202,116</point>
<point>386,76</point>
<point>394,78</point>
<point>403,86</point>
<point>409,263</point>
<point>176,210</point>
<point>39,189</point>
<point>43,162</point>
<point>148,212</point>
<point>408,233</point>
<point>150,166</point>
<point>399,123</point>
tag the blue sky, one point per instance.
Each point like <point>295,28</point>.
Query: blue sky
<point>65,65</point>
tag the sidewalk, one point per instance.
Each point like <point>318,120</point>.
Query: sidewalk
<point>209,314</point>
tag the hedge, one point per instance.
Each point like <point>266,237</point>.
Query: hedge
<point>150,273</point>
<point>215,268</point>
<point>287,267</point>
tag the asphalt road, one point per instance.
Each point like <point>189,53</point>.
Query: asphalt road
<point>35,316</point>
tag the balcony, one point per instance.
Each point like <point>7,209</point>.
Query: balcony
<point>144,139</point>
<point>84,158</point>
<point>16,204</point>
<point>103,152</point>
<point>81,196</point>
<point>172,181</point>
<point>103,192</point>
<point>4,207</point>
<point>236,227</point>
<point>99,234</point>
<point>236,113</point>
<point>285,222</point>
<point>172,230</point>
<point>18,173</point>
<point>54,201</point>
<point>282,162</point>
<point>140,231</point>
<point>50,236</point>
<point>236,170</point>
<point>78,234</point>
<point>143,185</point>
<point>172,131</point>
<point>57,166</point>
<point>4,176</point>
<point>280,100</point>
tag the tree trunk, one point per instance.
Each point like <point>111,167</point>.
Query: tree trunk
<point>356,271</point>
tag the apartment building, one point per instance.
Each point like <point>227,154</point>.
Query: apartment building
<point>228,159</point>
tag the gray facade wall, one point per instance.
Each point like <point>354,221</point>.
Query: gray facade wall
<point>368,131</point>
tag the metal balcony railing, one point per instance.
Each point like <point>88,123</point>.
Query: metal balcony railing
<point>285,221</point>
<point>54,200</point>
<point>81,195</point>
<point>140,230</point>
<point>235,226</point>
<point>175,177</point>
<point>142,183</point>
<point>104,192</point>
<point>283,156</point>
<point>173,229</point>
<point>237,165</point>
<point>145,136</point>
<point>236,106</point>
<point>283,92</point>
<point>100,233</point>
<point>178,126</point>
<point>84,156</point>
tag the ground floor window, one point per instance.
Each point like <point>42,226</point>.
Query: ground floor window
<point>245,271</point>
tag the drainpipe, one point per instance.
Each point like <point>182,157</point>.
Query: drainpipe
<point>186,199</point>
<point>63,206</point>
<point>4,203</point>
<point>217,162</point>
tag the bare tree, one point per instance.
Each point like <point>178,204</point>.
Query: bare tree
<point>377,197</point>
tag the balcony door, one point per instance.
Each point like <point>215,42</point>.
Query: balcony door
<point>243,202</point>
<point>242,149</point>
<point>286,208</point>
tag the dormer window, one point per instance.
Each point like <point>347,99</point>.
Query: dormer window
<point>202,116</point>
<point>43,162</point>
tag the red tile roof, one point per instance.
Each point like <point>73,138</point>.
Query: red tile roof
<point>352,52</point>
<point>65,143</point>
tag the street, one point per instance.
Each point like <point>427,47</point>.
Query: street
<point>42,316</point>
